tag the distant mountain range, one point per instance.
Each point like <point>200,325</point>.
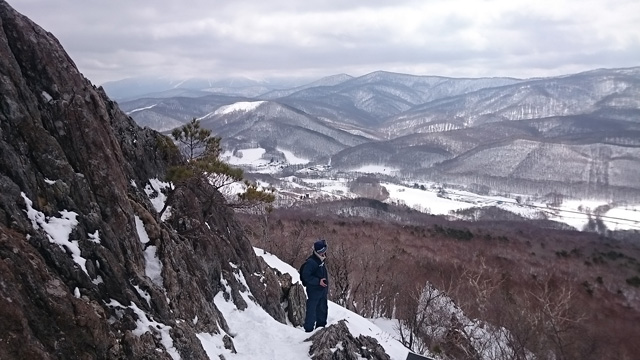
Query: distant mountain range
<point>133,88</point>
<point>576,135</point>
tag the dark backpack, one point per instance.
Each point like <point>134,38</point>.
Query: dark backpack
<point>300,272</point>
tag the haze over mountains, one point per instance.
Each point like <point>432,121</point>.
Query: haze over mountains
<point>577,135</point>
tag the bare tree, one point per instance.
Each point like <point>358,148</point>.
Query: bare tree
<point>341,263</point>
<point>291,245</point>
<point>538,321</point>
<point>557,317</point>
<point>367,284</point>
<point>421,318</point>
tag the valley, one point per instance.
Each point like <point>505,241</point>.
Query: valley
<point>298,182</point>
<point>575,136</point>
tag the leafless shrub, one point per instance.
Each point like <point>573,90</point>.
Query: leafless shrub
<point>503,278</point>
<point>423,318</point>
<point>341,263</point>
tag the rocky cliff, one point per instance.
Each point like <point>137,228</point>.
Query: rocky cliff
<point>88,270</point>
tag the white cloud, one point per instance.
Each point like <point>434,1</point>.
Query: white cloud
<point>116,39</point>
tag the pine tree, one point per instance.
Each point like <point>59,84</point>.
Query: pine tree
<point>202,154</point>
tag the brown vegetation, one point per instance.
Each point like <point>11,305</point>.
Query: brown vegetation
<point>569,293</point>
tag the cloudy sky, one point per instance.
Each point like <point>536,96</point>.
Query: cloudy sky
<point>259,39</point>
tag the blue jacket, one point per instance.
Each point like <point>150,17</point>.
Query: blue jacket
<point>314,270</point>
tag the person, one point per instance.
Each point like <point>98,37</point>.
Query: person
<point>316,279</point>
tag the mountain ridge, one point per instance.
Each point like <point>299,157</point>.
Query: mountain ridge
<point>593,108</point>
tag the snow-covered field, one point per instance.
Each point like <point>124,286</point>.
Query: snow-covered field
<point>575,213</point>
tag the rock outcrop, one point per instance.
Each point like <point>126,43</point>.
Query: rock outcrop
<point>88,270</point>
<point>336,343</point>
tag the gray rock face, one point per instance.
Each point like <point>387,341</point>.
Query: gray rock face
<point>72,162</point>
<point>336,343</point>
<point>296,304</point>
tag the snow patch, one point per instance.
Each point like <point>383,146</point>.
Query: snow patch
<point>58,230</point>
<point>142,233</point>
<point>144,325</point>
<point>156,196</point>
<point>140,109</point>
<point>292,158</point>
<point>143,294</point>
<point>253,159</point>
<point>623,218</point>
<point>376,169</point>
<point>214,346</point>
<point>245,156</point>
<point>239,106</point>
<point>95,237</point>
<point>153,265</point>
<point>46,96</point>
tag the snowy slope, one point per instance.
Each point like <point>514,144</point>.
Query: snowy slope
<point>258,336</point>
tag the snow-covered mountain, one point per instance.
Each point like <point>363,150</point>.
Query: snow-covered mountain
<point>274,125</point>
<point>576,134</point>
<point>381,95</point>
<point>163,114</point>
<point>579,94</point>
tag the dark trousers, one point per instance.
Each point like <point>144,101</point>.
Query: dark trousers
<point>317,309</point>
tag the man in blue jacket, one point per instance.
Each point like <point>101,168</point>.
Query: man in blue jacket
<point>316,279</point>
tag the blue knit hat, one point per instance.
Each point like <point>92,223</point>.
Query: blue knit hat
<point>320,246</point>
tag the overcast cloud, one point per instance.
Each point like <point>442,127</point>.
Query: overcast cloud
<point>115,39</point>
